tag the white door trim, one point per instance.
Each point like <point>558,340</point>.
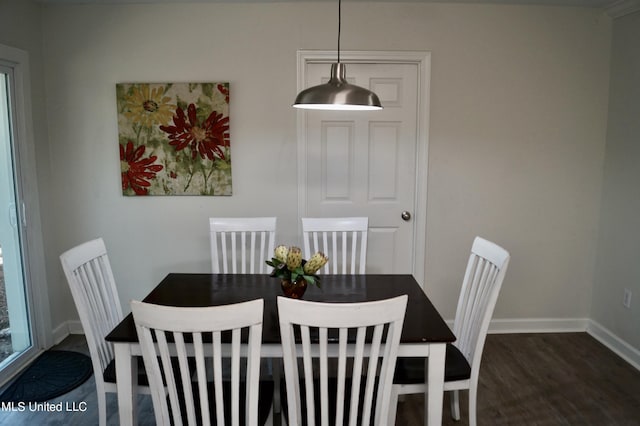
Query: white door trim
<point>423,61</point>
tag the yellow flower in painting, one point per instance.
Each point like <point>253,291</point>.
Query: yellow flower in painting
<point>146,106</point>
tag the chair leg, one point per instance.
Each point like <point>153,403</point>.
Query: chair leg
<point>276,373</point>
<point>473,397</point>
<point>102,408</point>
<point>454,396</point>
<point>269,421</point>
<point>393,406</point>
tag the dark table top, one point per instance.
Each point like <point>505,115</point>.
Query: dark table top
<point>422,321</point>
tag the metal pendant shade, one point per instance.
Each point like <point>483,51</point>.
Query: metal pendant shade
<point>338,93</point>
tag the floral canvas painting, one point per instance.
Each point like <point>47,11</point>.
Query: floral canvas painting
<point>174,138</point>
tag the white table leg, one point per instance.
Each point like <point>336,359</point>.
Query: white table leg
<point>127,384</point>
<point>435,390</point>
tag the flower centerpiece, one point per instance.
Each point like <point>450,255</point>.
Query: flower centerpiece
<point>294,271</point>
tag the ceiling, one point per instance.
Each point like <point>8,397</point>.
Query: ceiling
<point>615,8</point>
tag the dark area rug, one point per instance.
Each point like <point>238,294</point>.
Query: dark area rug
<point>52,374</point>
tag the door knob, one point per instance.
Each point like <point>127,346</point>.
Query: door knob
<point>406,216</point>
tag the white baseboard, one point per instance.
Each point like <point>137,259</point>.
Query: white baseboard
<point>75,327</point>
<point>535,325</point>
<point>59,333</point>
<point>538,325</point>
<point>616,344</point>
<point>66,328</point>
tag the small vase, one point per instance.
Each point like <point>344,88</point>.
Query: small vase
<point>295,289</point>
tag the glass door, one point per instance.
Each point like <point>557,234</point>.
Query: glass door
<point>15,325</point>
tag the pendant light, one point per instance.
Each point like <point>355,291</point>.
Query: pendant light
<point>337,93</point>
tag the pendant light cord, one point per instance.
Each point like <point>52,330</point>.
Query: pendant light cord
<point>339,25</point>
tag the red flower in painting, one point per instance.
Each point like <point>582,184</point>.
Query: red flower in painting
<point>137,171</point>
<point>225,91</point>
<point>206,138</point>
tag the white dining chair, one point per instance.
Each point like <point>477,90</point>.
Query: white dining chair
<point>195,399</point>
<point>94,292</point>
<point>481,285</point>
<point>342,239</point>
<point>361,390</point>
<point>241,245</point>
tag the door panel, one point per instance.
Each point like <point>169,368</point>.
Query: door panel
<point>364,163</point>
<point>337,161</point>
<point>16,333</point>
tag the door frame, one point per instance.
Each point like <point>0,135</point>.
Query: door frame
<point>423,61</point>
<point>29,208</point>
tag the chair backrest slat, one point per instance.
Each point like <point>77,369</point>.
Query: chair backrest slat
<point>241,245</point>
<point>217,374</point>
<point>370,361</point>
<point>343,240</point>
<point>156,321</point>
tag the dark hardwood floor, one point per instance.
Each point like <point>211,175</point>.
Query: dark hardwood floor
<point>525,379</point>
<point>546,379</point>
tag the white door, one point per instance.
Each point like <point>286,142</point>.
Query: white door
<point>365,163</point>
<point>26,306</point>
<point>15,326</point>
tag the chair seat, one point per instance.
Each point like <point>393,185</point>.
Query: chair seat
<point>411,370</point>
<point>332,386</point>
<point>109,374</point>
<point>265,402</point>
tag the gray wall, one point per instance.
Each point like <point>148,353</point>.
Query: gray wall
<point>618,261</point>
<point>21,27</point>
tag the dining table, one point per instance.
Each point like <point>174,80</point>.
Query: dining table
<point>424,333</point>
